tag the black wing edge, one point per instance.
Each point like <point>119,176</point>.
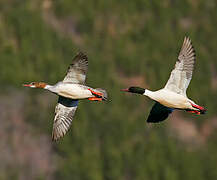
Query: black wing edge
<point>159,113</point>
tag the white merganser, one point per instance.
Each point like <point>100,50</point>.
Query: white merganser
<point>173,95</point>
<point>70,90</point>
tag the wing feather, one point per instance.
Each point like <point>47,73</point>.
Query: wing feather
<point>159,113</point>
<point>77,70</point>
<point>181,75</point>
<point>64,113</point>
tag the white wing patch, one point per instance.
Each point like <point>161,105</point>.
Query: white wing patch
<point>181,75</point>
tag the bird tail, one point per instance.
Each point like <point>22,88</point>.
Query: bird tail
<point>202,110</point>
<point>103,92</point>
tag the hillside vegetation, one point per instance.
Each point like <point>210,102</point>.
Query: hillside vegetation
<point>128,43</point>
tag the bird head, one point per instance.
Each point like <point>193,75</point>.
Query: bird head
<point>35,85</point>
<point>137,90</point>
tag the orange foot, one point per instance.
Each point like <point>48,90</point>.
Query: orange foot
<point>195,112</point>
<point>97,94</point>
<point>198,107</point>
<point>95,99</point>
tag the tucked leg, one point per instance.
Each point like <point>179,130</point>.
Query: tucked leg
<point>97,94</point>
<point>95,99</point>
<point>194,112</point>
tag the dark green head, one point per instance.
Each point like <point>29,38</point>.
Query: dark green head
<point>137,90</point>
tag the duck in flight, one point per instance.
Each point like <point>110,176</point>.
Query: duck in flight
<point>70,91</point>
<point>173,95</point>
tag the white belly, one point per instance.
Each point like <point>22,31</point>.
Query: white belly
<point>171,99</point>
<point>73,91</point>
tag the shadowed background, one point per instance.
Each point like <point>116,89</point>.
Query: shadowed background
<point>128,43</point>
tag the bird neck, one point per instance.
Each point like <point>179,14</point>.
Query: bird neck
<point>52,88</point>
<point>48,87</point>
<point>150,94</point>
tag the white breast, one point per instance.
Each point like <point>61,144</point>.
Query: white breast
<point>171,99</point>
<point>73,91</point>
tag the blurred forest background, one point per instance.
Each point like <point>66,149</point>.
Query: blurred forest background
<point>128,43</point>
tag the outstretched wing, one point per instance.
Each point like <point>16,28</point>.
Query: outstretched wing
<point>64,112</point>
<point>159,113</point>
<point>77,70</point>
<point>181,75</point>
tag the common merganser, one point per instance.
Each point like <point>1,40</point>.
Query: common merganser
<point>173,95</point>
<point>70,90</point>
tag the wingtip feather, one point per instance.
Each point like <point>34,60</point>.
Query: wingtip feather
<point>81,55</point>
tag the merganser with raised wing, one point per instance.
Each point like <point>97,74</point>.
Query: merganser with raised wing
<point>70,90</point>
<point>173,95</point>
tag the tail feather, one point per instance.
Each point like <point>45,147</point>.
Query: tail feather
<point>203,111</point>
<point>103,91</point>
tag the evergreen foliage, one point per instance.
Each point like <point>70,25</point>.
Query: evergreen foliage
<point>122,39</point>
